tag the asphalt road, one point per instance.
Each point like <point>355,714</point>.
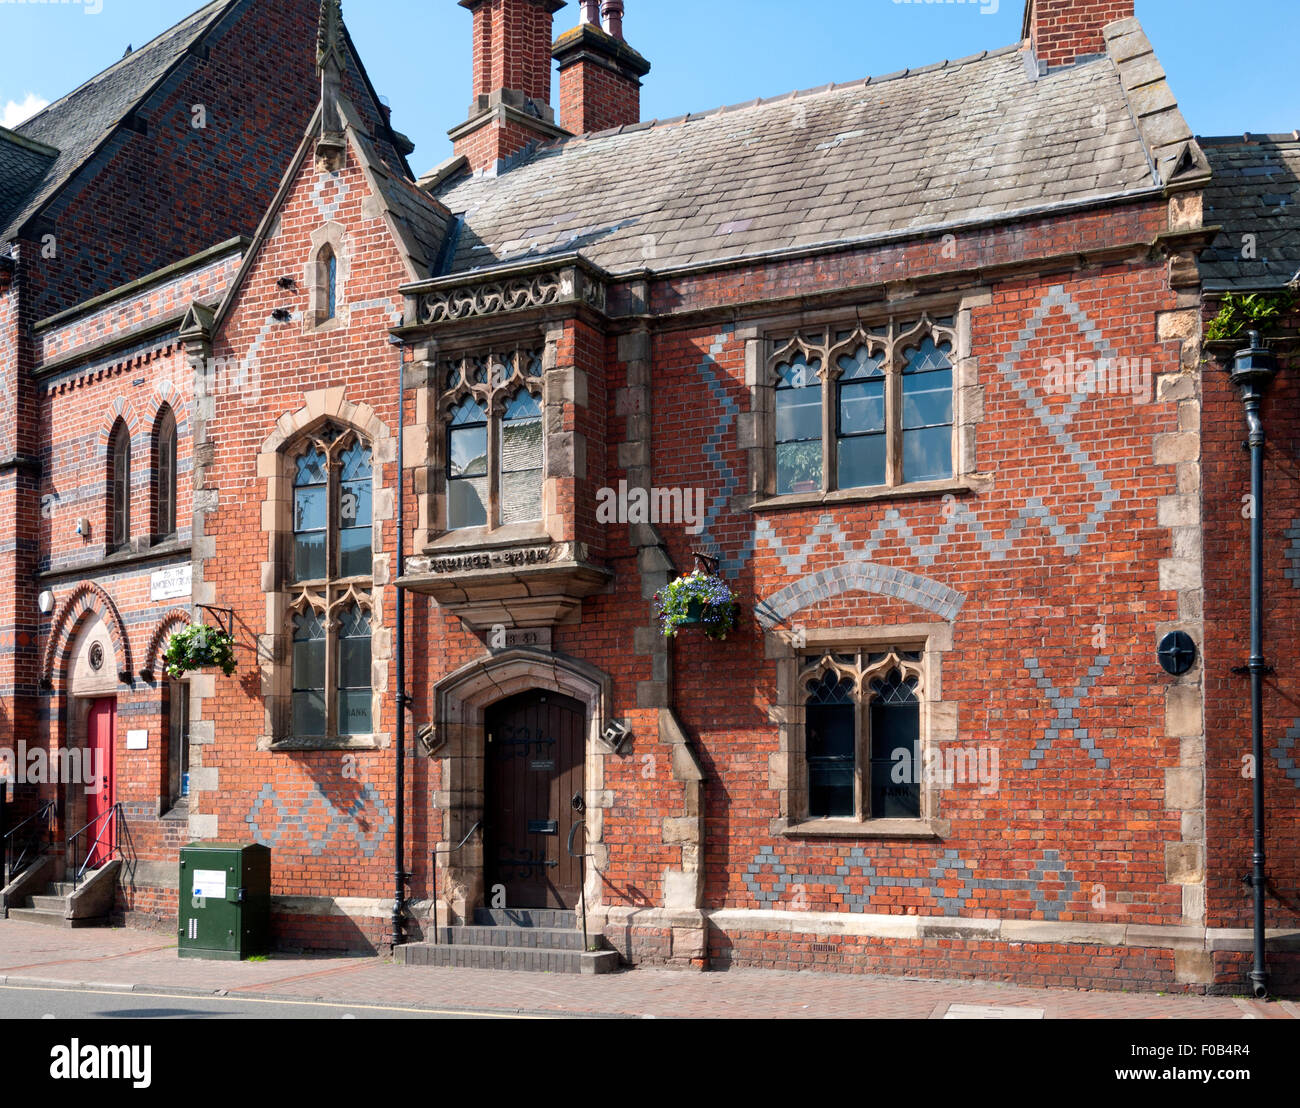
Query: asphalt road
<point>30,1002</point>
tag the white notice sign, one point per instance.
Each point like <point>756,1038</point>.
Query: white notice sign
<point>210,882</point>
<point>171,583</point>
<point>137,740</point>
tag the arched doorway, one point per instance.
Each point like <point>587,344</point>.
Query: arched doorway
<point>533,789</point>
<point>494,686</point>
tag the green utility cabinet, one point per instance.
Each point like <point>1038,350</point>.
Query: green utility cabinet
<point>225,909</point>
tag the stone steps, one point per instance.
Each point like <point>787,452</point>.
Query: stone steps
<point>50,907</point>
<point>541,940</point>
<point>524,938</point>
<point>50,919</point>
<point>526,917</point>
<point>533,959</point>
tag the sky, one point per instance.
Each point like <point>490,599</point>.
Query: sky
<point>1229,64</point>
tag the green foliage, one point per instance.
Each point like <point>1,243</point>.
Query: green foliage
<point>1242,312</point>
<point>697,599</point>
<point>197,647</point>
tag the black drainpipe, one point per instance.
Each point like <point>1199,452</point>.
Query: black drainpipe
<point>400,699</point>
<point>1253,370</point>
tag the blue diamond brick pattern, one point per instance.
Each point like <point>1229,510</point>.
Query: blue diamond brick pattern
<point>1285,753</point>
<point>1065,719</point>
<point>855,561</point>
<point>857,894</point>
<point>1293,553</point>
<point>347,822</point>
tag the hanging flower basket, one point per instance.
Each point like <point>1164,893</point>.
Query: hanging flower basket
<point>199,646</point>
<point>698,600</point>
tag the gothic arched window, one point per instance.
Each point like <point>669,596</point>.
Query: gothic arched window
<point>164,474</point>
<point>119,485</point>
<point>862,719</point>
<point>866,408</point>
<point>331,575</point>
<point>495,436</point>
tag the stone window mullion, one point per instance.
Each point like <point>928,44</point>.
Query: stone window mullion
<point>830,425</point>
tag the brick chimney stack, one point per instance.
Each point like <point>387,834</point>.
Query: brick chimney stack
<point>600,74</point>
<point>511,109</point>
<point>1062,32</point>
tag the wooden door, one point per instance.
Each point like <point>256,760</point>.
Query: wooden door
<point>101,732</point>
<point>533,769</point>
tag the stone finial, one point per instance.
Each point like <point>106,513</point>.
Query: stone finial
<point>329,33</point>
<point>613,13</point>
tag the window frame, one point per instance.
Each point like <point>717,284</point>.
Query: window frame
<point>766,339</point>
<point>166,481</point>
<point>860,673</point>
<point>491,379</point>
<point>937,724</point>
<point>332,595</point>
<point>825,347</point>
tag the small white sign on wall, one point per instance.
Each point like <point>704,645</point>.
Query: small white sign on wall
<point>171,583</point>
<point>137,740</point>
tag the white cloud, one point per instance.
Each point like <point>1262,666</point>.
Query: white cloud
<point>15,111</point>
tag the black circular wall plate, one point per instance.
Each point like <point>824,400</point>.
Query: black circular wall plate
<point>1177,653</point>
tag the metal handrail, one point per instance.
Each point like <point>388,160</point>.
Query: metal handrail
<point>582,876</point>
<point>80,870</point>
<point>11,866</point>
<point>449,851</point>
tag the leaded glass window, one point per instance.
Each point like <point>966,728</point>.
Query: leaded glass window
<point>308,674</point>
<point>467,466</point>
<point>799,426</point>
<point>331,571</point>
<point>354,671</point>
<point>862,719</point>
<point>521,459</point>
<point>870,407</point>
<point>495,439</point>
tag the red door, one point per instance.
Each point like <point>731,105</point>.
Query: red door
<point>101,729</point>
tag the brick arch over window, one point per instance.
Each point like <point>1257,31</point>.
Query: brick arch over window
<point>151,663</point>
<point>924,592</point>
<point>120,409</point>
<point>86,598</point>
<point>458,740</point>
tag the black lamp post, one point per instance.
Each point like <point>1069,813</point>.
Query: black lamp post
<point>1253,370</point>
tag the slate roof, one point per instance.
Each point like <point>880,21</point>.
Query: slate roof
<point>420,223</point>
<point>23,163</point>
<point>77,123</point>
<point>1255,191</point>
<point>950,143</point>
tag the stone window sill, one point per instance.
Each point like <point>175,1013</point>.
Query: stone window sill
<point>483,538</point>
<point>916,491</point>
<point>178,813</point>
<point>864,829</point>
<point>323,742</point>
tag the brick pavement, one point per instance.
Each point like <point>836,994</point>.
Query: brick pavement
<point>122,959</point>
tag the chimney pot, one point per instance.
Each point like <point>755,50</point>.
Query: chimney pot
<point>613,12</point>
<point>591,12</point>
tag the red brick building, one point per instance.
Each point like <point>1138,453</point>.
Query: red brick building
<point>915,364</point>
